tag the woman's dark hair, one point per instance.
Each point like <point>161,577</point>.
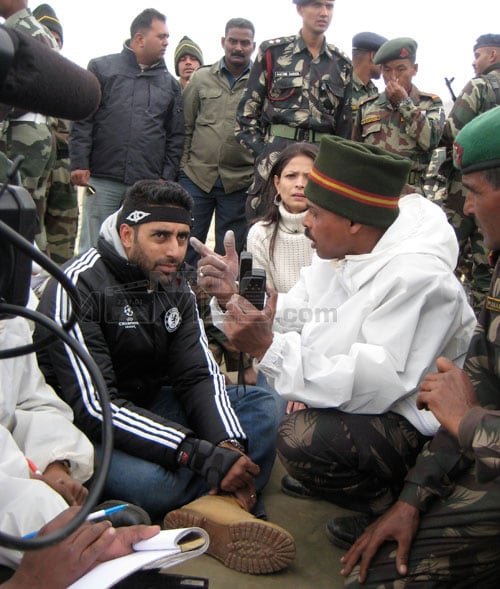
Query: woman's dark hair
<point>271,214</point>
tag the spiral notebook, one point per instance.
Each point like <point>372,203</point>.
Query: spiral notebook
<point>168,548</point>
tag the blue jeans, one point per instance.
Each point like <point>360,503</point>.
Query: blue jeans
<point>229,214</point>
<point>158,490</point>
<point>97,207</point>
<point>280,402</point>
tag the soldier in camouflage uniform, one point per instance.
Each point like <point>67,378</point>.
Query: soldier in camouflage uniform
<point>25,133</point>
<point>447,520</point>
<point>61,215</point>
<point>479,95</point>
<point>299,90</point>
<point>364,47</point>
<point>402,120</point>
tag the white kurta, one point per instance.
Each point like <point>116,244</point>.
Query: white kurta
<point>360,334</point>
<point>36,424</point>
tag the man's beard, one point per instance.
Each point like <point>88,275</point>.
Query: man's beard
<point>153,275</point>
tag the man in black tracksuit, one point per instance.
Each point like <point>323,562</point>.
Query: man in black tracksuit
<point>177,430</point>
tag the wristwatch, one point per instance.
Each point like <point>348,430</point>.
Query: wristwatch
<point>234,442</point>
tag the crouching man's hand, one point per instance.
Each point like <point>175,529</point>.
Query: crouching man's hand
<point>217,274</point>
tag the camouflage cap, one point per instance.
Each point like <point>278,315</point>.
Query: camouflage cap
<point>489,40</point>
<point>46,15</point>
<point>477,146</point>
<point>400,48</point>
<point>357,181</point>
<point>368,41</point>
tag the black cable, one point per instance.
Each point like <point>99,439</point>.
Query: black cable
<point>97,485</point>
<point>27,248</point>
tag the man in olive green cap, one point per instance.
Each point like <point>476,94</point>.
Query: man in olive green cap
<point>352,339</point>
<point>447,520</point>
<point>402,119</point>
<point>47,16</point>
<point>187,59</point>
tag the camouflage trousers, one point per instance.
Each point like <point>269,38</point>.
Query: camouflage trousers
<point>61,215</point>
<point>355,461</point>
<point>457,545</point>
<point>33,141</point>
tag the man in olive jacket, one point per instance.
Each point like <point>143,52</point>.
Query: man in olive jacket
<point>215,169</point>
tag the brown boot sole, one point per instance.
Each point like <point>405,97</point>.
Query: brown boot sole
<point>254,547</point>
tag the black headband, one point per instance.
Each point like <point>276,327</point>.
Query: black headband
<point>167,214</point>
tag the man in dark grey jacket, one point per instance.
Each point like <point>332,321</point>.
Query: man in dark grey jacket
<point>138,130</point>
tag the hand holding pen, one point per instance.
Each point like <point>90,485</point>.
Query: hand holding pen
<point>101,513</point>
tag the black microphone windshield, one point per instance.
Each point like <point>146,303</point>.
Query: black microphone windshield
<point>40,80</point>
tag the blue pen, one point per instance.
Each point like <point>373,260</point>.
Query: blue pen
<point>90,517</point>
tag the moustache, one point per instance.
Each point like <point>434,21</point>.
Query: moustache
<point>307,233</point>
<point>237,54</point>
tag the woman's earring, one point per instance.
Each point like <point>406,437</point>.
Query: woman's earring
<point>277,200</point>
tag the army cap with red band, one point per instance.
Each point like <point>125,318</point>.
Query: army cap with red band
<point>357,181</point>
<point>400,48</point>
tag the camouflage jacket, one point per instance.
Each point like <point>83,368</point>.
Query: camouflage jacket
<point>444,458</point>
<point>302,91</point>
<point>410,130</point>
<point>26,23</point>
<point>477,97</point>
<point>361,92</point>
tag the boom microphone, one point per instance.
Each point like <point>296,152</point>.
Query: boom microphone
<point>42,81</point>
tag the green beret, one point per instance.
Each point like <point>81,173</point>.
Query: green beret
<point>357,181</point>
<point>400,48</point>
<point>187,46</point>
<point>46,15</point>
<point>477,145</point>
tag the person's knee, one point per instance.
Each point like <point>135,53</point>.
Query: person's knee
<point>291,437</point>
<point>257,405</point>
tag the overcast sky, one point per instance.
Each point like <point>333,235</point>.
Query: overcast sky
<point>444,29</point>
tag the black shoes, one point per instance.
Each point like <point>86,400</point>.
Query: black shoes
<point>129,516</point>
<point>344,531</point>
<point>294,488</point>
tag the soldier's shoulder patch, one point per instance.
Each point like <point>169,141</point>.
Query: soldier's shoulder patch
<point>276,42</point>
<point>370,119</point>
<point>334,49</point>
<point>493,304</point>
<point>433,97</point>
<point>368,99</point>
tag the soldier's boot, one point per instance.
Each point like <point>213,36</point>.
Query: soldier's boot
<point>238,539</point>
